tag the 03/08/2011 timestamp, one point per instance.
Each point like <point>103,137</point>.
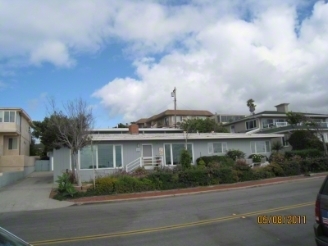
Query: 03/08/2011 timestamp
<point>281,219</point>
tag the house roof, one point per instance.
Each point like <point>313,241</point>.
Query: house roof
<point>180,113</point>
<point>142,120</point>
<point>180,136</point>
<point>274,113</point>
<point>27,117</point>
<point>141,130</point>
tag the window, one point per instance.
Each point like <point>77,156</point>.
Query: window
<point>104,156</point>
<point>86,160</point>
<point>250,124</point>
<point>9,116</point>
<point>217,148</point>
<point>12,143</point>
<point>260,147</point>
<point>232,129</point>
<point>1,116</point>
<point>173,152</point>
<point>266,123</point>
<point>285,141</point>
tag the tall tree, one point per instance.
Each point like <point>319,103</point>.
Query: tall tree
<point>295,118</point>
<point>251,105</point>
<point>73,127</point>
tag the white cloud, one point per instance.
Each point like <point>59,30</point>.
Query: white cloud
<point>217,53</point>
<point>223,63</point>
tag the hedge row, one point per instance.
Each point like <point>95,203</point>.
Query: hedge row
<point>203,176</point>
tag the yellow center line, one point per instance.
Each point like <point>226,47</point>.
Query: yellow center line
<point>169,227</point>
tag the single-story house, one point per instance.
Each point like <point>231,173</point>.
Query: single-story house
<point>109,152</point>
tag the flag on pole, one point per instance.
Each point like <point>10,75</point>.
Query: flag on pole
<point>173,93</point>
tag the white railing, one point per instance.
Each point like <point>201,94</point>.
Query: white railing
<point>281,124</point>
<point>133,165</point>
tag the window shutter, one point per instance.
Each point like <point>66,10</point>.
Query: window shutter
<point>210,148</point>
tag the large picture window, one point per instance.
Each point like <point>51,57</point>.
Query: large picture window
<point>104,156</point>
<point>260,147</point>
<point>9,116</point>
<point>250,124</point>
<point>173,152</point>
<point>217,148</point>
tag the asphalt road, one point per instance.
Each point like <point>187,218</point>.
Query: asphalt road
<point>220,218</point>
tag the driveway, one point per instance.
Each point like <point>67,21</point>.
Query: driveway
<point>31,193</point>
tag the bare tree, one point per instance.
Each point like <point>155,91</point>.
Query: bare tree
<point>73,126</point>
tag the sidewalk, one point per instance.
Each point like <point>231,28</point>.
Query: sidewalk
<point>195,190</point>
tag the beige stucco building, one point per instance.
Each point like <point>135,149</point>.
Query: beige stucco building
<point>15,140</point>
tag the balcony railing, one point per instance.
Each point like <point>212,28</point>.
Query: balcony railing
<point>276,124</point>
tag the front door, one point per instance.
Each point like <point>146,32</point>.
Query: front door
<point>147,154</point>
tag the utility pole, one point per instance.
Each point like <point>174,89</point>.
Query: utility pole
<point>174,94</point>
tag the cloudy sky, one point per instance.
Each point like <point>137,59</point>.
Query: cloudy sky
<point>125,57</point>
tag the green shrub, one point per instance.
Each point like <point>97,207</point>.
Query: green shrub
<point>277,158</point>
<point>243,170</point>
<point>65,186</point>
<point>304,139</point>
<point>163,180</point>
<point>262,173</point>
<point>276,169</point>
<point>127,184</point>
<point>291,168</point>
<point>314,165</point>
<point>201,163</point>
<point>195,177</point>
<point>227,175</point>
<point>223,160</point>
<point>235,154</point>
<point>104,185</point>
<point>305,153</point>
<point>185,159</point>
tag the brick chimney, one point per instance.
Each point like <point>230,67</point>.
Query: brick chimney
<point>283,107</point>
<point>133,129</point>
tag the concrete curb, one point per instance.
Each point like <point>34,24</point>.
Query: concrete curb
<point>321,175</point>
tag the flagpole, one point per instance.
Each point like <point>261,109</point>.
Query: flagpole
<point>175,107</point>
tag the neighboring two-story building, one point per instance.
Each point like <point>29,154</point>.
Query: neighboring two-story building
<point>275,122</point>
<point>169,118</point>
<point>15,140</point>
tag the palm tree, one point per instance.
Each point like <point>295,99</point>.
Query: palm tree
<point>251,105</point>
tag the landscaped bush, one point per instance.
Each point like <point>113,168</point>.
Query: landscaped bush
<point>262,173</point>
<point>226,175</point>
<point>223,160</point>
<point>65,186</point>
<point>185,159</point>
<point>314,164</point>
<point>127,184</point>
<point>201,163</point>
<point>277,158</point>
<point>275,169</point>
<point>104,185</point>
<point>291,168</point>
<point>235,154</point>
<point>163,180</point>
<point>196,177</point>
<point>305,153</point>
